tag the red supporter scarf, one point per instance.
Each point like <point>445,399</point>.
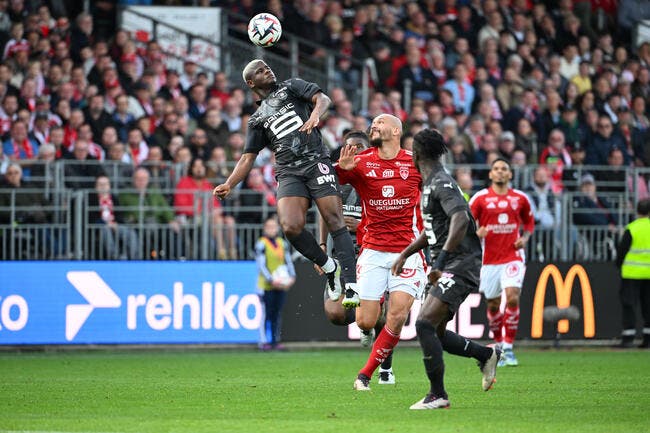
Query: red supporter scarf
<point>26,146</point>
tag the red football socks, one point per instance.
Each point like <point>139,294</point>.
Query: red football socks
<point>496,323</point>
<point>382,347</point>
<point>511,323</point>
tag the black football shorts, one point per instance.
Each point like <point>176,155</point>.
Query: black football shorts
<point>312,181</point>
<point>452,289</point>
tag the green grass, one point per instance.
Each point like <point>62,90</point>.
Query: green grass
<point>225,391</point>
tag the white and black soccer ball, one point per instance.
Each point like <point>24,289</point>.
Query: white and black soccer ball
<point>264,30</point>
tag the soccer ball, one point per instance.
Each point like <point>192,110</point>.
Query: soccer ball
<point>264,30</point>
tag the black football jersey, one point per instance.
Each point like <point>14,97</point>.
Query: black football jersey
<point>441,198</point>
<point>276,122</point>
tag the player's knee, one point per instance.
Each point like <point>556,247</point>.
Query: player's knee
<point>424,327</point>
<point>512,302</point>
<point>365,323</point>
<point>291,229</point>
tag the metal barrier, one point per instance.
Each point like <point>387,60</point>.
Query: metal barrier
<point>70,232</point>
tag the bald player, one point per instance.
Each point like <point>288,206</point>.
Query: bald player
<point>388,185</point>
<point>287,123</point>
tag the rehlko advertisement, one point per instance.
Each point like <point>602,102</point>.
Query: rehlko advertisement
<point>128,302</point>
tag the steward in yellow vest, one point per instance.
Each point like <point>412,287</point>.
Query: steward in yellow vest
<point>634,260</point>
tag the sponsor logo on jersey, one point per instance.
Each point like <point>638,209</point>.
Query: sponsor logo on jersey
<point>388,191</point>
<point>388,173</point>
<point>490,206</point>
<point>372,164</point>
<point>279,113</point>
<point>503,218</point>
<point>448,185</point>
<point>503,204</point>
<point>491,199</point>
<point>324,168</point>
<point>404,172</point>
<point>371,173</point>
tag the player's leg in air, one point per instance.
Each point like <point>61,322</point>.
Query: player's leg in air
<point>330,209</point>
<point>292,211</point>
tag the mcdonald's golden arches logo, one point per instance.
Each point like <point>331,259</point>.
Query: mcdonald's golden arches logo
<point>563,289</point>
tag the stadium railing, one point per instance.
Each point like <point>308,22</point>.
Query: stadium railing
<point>69,233</point>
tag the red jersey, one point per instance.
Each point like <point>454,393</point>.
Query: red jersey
<point>503,216</point>
<point>389,191</point>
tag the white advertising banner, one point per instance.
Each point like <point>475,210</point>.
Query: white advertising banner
<point>198,21</point>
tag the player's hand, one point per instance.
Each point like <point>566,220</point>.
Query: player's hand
<point>398,265</point>
<point>520,243</point>
<point>221,191</point>
<point>348,159</point>
<point>310,124</point>
<point>351,223</point>
<point>482,232</point>
<point>433,276</point>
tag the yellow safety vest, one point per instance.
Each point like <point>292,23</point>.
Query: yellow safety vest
<point>274,259</point>
<point>636,265</point>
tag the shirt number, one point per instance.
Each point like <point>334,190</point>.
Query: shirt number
<point>286,124</point>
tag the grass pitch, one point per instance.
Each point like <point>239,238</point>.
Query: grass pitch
<point>586,390</point>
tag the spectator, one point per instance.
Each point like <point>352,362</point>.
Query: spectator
<point>96,116</point>
<point>589,208</point>
<point>81,169</point>
<point>191,193</point>
<point>19,146</point>
<point>545,206</point>
<point>216,129</point>
<point>136,146</point>
<point>122,119</point>
<point>526,140</point>
<point>119,241</point>
<point>419,80</point>
<point>257,199</point>
<point>217,166</point>
<point>199,145</point>
<point>16,192</point>
<point>119,164</point>
<point>461,91</point>
<point>146,204</point>
<point>507,145</point>
<point>556,157</point>
<point>604,142</point>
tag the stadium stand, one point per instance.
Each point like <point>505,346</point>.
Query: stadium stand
<point>558,88</point>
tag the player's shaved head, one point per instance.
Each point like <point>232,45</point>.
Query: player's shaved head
<point>393,120</point>
<point>249,69</point>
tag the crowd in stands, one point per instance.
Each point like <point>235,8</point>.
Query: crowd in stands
<point>557,83</point>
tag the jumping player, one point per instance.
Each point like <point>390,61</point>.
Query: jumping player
<point>287,123</point>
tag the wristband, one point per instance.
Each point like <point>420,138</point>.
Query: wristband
<point>322,244</point>
<point>440,260</point>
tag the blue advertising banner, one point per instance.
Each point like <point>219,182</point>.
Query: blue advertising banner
<point>128,302</point>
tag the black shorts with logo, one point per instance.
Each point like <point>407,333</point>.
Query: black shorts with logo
<point>453,289</point>
<point>313,181</point>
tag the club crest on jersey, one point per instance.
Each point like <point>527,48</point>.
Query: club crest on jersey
<point>512,269</point>
<point>404,172</point>
<point>323,168</point>
<point>387,191</point>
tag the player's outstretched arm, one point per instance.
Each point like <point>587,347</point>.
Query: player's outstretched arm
<point>407,252</point>
<point>243,167</point>
<point>321,103</point>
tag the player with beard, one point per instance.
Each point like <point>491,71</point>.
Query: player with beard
<point>502,212</point>
<point>450,233</point>
<point>388,184</point>
<point>287,123</point>
<point>352,213</point>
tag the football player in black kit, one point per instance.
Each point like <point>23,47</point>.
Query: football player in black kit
<point>287,123</point>
<point>450,232</point>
